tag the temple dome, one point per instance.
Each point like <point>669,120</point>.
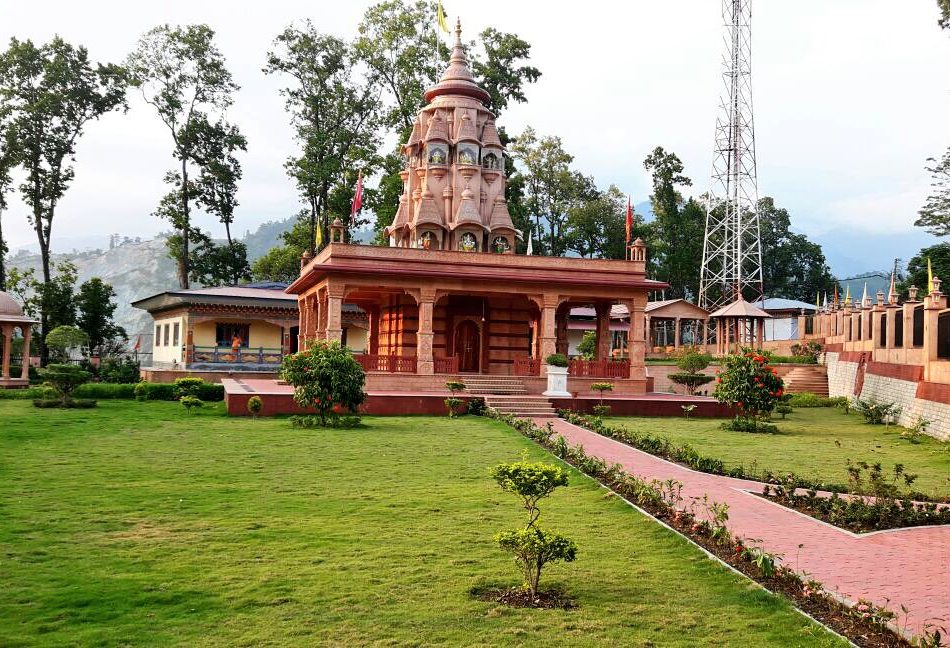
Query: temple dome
<point>457,79</point>
<point>9,306</point>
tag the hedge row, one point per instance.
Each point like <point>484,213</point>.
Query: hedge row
<point>109,391</point>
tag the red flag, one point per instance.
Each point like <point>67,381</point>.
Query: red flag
<point>357,197</point>
<point>138,343</point>
<point>629,220</point>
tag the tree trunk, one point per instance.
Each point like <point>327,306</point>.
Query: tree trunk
<point>3,266</point>
<point>185,230</point>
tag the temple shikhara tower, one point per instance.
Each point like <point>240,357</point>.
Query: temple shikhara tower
<point>454,171</point>
<point>449,296</point>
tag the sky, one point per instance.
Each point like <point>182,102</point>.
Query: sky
<point>851,98</point>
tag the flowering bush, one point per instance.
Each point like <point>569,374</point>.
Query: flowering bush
<point>750,385</point>
<point>325,378</point>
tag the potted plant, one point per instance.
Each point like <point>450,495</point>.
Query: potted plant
<point>556,370</point>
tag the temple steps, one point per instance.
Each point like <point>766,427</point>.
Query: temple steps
<point>519,405</point>
<point>813,379</point>
<point>484,385</point>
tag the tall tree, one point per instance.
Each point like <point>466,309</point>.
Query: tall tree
<point>935,214</point>
<point>939,256</point>
<point>499,68</point>
<point>596,228</point>
<point>335,113</point>
<point>551,188</point>
<point>678,226</point>
<point>49,93</point>
<point>182,75</point>
<point>7,162</point>
<point>944,20</point>
<point>95,304</point>
<point>792,266</point>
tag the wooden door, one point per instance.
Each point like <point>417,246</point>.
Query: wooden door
<point>467,346</point>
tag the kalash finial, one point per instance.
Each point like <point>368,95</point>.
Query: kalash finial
<point>458,31</point>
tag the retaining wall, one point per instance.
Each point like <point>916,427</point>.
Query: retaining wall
<point>849,375</point>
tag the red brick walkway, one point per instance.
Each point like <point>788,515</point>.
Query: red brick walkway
<point>909,567</point>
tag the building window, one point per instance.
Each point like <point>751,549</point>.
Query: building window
<point>809,326</point>
<point>468,242</point>
<point>919,326</point>
<point>860,327</point>
<point>883,336</point>
<point>899,328</point>
<point>165,335</point>
<point>158,335</point>
<point>438,153</point>
<point>176,330</point>
<point>228,334</point>
<point>468,154</point>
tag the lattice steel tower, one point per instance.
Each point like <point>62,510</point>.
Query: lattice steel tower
<point>732,251</point>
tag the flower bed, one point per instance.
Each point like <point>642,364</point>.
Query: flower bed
<point>704,522</point>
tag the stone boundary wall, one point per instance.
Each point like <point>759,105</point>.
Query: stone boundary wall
<point>900,384</point>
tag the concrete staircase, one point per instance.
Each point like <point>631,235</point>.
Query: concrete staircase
<point>484,385</point>
<point>533,406</point>
<point>508,395</point>
<point>813,378</point>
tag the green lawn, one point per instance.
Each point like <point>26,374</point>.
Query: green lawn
<point>813,442</point>
<point>138,524</point>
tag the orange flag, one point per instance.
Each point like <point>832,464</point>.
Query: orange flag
<point>629,219</point>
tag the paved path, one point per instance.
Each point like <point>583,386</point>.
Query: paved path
<point>909,567</point>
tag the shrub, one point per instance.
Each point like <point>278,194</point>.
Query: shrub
<point>255,405</point>
<point>691,382</point>
<point>308,421</point>
<point>602,387</point>
<point>687,410</point>
<point>783,410</point>
<point>587,347</point>
<point>123,371</point>
<point>72,403</point>
<point>42,392</point>
<point>557,360</point>
<point>751,386</point>
<point>453,404</point>
<point>191,403</point>
<point>64,378</point>
<point>692,361</point>
<point>105,391</point>
<point>601,410</point>
<point>455,386</point>
<point>808,352</point>
<point>189,386</point>
<point>64,338</point>
<point>532,546</point>
<point>740,424</point>
<point>917,430</point>
<point>476,406</point>
<point>169,391</point>
<point>877,413</point>
<point>325,376</point>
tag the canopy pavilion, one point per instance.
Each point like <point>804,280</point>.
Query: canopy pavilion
<point>11,319</point>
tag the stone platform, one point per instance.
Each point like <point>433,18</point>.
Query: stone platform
<point>415,399</point>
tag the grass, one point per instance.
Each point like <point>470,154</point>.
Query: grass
<point>812,442</point>
<point>139,524</point>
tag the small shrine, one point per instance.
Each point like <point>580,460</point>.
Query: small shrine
<point>449,296</point>
<point>11,319</point>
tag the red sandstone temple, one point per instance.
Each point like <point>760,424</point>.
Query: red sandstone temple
<point>449,296</point>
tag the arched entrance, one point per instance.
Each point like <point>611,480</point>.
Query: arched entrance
<point>468,346</point>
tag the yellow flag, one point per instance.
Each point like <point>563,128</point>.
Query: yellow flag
<point>319,234</point>
<point>930,277</point>
<point>440,15</point>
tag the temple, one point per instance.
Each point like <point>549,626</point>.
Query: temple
<point>450,296</point>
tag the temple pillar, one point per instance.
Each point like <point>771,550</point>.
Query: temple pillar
<point>548,330</point>
<point>676,332</point>
<point>760,332</point>
<point>636,340</point>
<point>561,330</point>
<point>424,334</point>
<point>7,341</point>
<point>603,330</point>
<point>372,314</point>
<point>25,356</point>
<point>334,315</point>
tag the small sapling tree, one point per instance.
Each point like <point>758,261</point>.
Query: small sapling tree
<point>65,379</point>
<point>533,547</point>
<point>191,403</point>
<point>325,377</point>
<point>453,402</point>
<point>691,364</point>
<point>255,405</point>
